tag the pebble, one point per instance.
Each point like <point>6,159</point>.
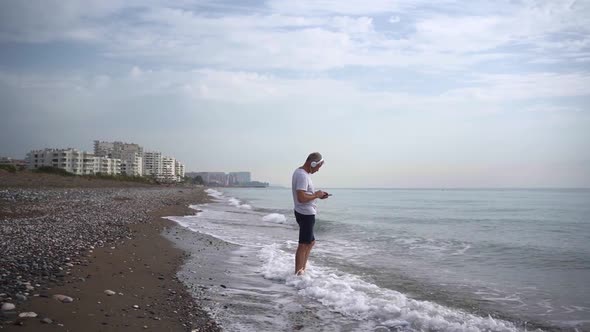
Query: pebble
<point>47,320</point>
<point>53,228</point>
<point>21,297</point>
<point>50,230</point>
<point>109,292</point>
<point>27,314</point>
<point>8,306</point>
<point>63,298</point>
<point>135,306</point>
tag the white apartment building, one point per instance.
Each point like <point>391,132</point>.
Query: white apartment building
<point>73,161</point>
<point>132,165</point>
<point>168,169</point>
<point>105,165</point>
<point>115,149</point>
<point>179,170</point>
<point>152,164</point>
<point>103,149</point>
<point>131,155</point>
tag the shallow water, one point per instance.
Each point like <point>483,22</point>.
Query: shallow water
<point>410,260</point>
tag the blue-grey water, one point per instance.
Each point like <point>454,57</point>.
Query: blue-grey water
<point>407,260</point>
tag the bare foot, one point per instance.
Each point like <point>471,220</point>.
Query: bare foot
<point>300,272</point>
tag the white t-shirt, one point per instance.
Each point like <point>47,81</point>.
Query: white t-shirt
<point>302,181</point>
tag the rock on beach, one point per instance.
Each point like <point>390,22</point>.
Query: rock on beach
<point>27,315</point>
<point>8,306</point>
<point>63,298</point>
<point>46,231</point>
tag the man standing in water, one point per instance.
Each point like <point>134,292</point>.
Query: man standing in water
<point>304,196</point>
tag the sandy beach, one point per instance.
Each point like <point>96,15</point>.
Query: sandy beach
<point>89,255</point>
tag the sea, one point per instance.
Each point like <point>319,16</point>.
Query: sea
<point>404,260</point>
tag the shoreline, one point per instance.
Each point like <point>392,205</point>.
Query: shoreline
<point>134,260</point>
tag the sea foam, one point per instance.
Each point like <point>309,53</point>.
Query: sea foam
<point>358,299</point>
<point>236,202</point>
<point>214,193</point>
<point>276,218</point>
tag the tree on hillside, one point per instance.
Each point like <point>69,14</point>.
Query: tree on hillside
<point>198,180</point>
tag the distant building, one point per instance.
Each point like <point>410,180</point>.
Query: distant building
<point>73,161</point>
<point>233,179</point>
<point>168,169</point>
<point>132,165</point>
<point>105,165</point>
<point>131,155</point>
<point>152,164</point>
<point>240,177</point>
<point>103,149</point>
<point>179,170</point>
<point>212,178</point>
<point>116,149</point>
<point>109,158</point>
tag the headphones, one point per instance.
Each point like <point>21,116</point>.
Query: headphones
<point>314,164</point>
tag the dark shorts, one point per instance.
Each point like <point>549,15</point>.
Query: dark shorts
<point>306,223</point>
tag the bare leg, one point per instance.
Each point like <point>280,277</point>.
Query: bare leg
<point>307,251</point>
<point>300,257</point>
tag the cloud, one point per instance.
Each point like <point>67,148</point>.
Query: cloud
<point>479,92</point>
<point>312,35</point>
<point>367,7</point>
<point>394,19</point>
<point>503,88</point>
<point>27,21</point>
<point>135,72</point>
<point>406,82</point>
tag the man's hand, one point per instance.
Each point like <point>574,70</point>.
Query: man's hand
<point>321,194</point>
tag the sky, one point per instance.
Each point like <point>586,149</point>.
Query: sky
<point>407,93</point>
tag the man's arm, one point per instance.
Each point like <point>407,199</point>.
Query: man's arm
<point>304,197</point>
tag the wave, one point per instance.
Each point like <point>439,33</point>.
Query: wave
<point>351,296</point>
<point>231,200</point>
<point>214,193</point>
<point>276,218</point>
<point>237,203</point>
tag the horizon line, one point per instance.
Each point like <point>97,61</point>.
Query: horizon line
<point>452,188</point>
